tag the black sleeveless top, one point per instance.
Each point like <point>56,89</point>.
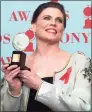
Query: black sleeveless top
<point>35,106</point>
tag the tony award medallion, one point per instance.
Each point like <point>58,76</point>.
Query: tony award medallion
<point>20,42</point>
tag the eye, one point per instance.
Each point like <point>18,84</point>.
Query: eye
<point>59,20</point>
<point>47,18</point>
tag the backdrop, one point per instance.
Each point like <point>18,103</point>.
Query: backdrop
<point>16,17</point>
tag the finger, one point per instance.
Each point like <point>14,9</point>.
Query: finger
<point>12,74</point>
<point>22,80</point>
<point>12,67</point>
<point>4,67</point>
<point>23,71</point>
<point>23,77</point>
<point>10,78</point>
<point>13,71</point>
<point>15,74</point>
<point>20,75</point>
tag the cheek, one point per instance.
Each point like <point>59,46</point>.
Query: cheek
<point>41,24</point>
<point>39,28</point>
<point>61,29</point>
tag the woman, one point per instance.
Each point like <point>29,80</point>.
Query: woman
<point>58,80</point>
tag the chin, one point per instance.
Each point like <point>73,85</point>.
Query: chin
<point>53,41</point>
<point>50,40</point>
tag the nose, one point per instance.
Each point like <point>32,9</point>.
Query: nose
<point>53,23</point>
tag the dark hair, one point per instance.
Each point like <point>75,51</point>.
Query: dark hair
<point>41,7</point>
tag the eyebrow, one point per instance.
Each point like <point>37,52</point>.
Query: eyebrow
<point>51,16</point>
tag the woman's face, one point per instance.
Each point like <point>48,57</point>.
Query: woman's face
<point>49,25</point>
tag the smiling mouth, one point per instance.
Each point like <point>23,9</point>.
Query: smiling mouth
<point>51,31</point>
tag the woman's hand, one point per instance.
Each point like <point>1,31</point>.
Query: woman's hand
<point>11,73</point>
<point>31,79</point>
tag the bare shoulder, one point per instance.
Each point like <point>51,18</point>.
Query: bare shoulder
<point>66,55</point>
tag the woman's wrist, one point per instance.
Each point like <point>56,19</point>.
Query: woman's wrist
<point>39,85</point>
<point>15,93</point>
<point>38,89</point>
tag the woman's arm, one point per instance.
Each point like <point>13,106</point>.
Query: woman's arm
<point>78,100</point>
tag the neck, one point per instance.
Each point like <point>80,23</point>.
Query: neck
<point>44,49</point>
